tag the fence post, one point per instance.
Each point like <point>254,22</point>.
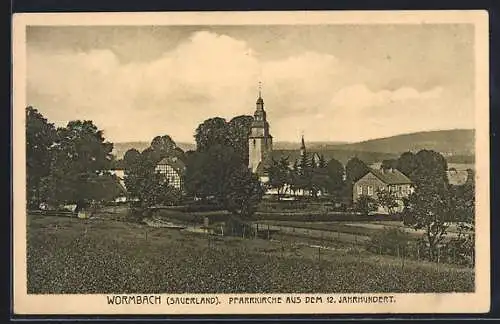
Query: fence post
<point>418,253</point>
<point>268,231</point>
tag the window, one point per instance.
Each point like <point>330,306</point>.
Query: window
<point>254,142</point>
<point>360,190</point>
<point>370,190</point>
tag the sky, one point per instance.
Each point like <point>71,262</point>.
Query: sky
<point>328,82</point>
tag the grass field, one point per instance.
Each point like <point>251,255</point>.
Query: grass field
<point>100,256</point>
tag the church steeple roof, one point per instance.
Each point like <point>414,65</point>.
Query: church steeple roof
<point>260,101</point>
<point>302,144</point>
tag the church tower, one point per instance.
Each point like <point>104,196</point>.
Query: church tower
<point>260,141</point>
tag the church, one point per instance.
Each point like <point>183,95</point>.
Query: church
<point>260,145</point>
<point>260,141</point>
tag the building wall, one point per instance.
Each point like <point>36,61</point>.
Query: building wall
<point>368,186</point>
<point>255,151</point>
<point>174,178</point>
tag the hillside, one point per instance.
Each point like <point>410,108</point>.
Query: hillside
<point>448,142</point>
<point>457,145</point>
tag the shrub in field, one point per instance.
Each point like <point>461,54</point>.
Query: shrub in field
<point>136,214</point>
<point>460,250</point>
<point>392,241</point>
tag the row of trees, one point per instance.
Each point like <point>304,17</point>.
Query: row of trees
<point>312,176</point>
<point>67,164</point>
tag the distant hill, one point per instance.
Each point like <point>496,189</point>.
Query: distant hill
<point>447,142</point>
<point>456,145</point>
<point>310,145</point>
<point>341,155</point>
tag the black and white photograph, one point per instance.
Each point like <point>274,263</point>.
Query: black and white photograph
<point>233,162</point>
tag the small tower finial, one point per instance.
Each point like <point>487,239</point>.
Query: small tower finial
<point>260,89</point>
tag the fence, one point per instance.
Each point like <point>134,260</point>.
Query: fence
<point>57,213</point>
<point>411,250</point>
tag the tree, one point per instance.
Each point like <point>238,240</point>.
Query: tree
<point>163,144</point>
<point>238,131</point>
<point>40,137</point>
<point>279,175</point>
<point>130,158</point>
<point>322,162</point>
<point>430,211</point>
<point>305,163</point>
<point>387,200</point>
<point>303,179</point>
<point>207,171</point>
<point>431,171</point>
<point>366,205</point>
<point>320,181</point>
<point>211,132</point>
<point>147,185</point>
<point>295,177</point>
<point>463,204</point>
<point>242,192</point>
<point>407,163</point>
<point>355,169</point>
<point>81,156</point>
<point>335,171</point>
<point>389,164</point>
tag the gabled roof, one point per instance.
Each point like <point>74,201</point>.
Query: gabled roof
<point>263,166</point>
<point>390,177</point>
<point>174,162</point>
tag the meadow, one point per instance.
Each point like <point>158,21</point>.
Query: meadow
<point>70,255</point>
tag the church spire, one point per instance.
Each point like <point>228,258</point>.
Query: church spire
<point>260,101</point>
<point>302,146</point>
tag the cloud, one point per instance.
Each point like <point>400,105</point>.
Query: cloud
<point>208,75</point>
<point>359,96</point>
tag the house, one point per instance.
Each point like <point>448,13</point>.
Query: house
<point>174,170</point>
<point>391,179</point>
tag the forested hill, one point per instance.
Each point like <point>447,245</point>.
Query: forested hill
<point>457,145</point>
<point>447,142</point>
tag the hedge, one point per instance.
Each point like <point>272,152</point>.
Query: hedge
<point>221,216</point>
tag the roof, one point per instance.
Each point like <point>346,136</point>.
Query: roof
<point>174,162</point>
<point>390,177</point>
<point>263,165</point>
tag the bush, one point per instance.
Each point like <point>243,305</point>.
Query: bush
<point>391,241</point>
